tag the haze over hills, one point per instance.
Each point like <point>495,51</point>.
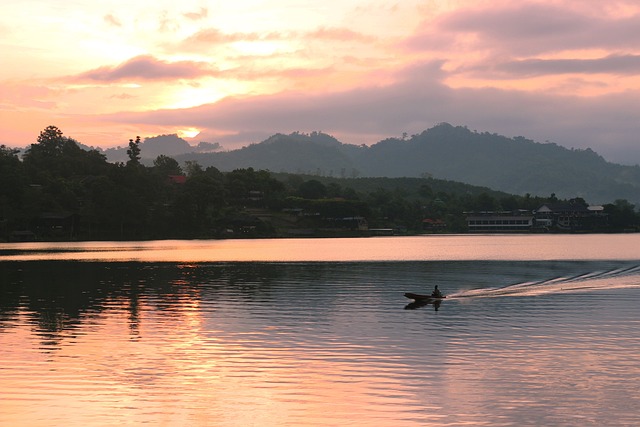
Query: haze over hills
<point>513,165</point>
<point>168,145</point>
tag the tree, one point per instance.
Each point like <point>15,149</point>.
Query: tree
<point>425,191</point>
<point>312,189</point>
<point>192,168</point>
<point>43,155</point>
<point>12,187</point>
<point>485,202</point>
<point>578,201</point>
<point>241,182</point>
<point>334,190</point>
<point>166,165</point>
<point>202,202</point>
<point>509,203</point>
<point>10,171</point>
<point>134,152</point>
<point>51,140</point>
<point>622,214</point>
<point>57,156</point>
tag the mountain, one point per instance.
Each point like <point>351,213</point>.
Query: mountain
<point>168,145</point>
<point>513,165</point>
<point>316,153</point>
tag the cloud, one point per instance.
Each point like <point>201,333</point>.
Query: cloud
<point>112,20</point>
<point>521,24</point>
<point>530,28</point>
<point>167,22</point>
<point>196,16</point>
<point>415,102</point>
<point>338,34</point>
<point>146,67</point>
<point>27,95</point>
<point>213,36</point>
<point>611,64</point>
<point>122,96</point>
<point>514,68</point>
<point>369,109</point>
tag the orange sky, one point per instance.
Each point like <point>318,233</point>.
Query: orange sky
<point>238,72</point>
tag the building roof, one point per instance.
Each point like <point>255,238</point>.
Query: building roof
<point>562,207</point>
<point>178,179</point>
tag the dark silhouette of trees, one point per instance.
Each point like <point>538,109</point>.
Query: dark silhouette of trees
<point>312,189</point>
<point>134,152</point>
<point>60,191</point>
<point>57,156</point>
<point>12,189</point>
<point>622,214</point>
<point>165,165</point>
<point>202,201</point>
<point>485,202</point>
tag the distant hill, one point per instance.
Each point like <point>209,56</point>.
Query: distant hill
<point>168,145</point>
<point>513,165</point>
<point>316,153</point>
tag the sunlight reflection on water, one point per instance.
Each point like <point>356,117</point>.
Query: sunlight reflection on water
<point>418,248</point>
<point>318,343</point>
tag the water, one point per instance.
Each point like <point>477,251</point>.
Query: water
<point>537,330</point>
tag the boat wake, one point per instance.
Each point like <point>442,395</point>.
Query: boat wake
<point>592,281</point>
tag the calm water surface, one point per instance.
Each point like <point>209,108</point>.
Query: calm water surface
<point>537,330</point>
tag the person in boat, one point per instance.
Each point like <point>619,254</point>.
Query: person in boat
<point>436,293</point>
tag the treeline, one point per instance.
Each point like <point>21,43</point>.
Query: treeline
<point>513,165</point>
<point>58,191</point>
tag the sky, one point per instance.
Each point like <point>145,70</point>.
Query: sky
<point>561,71</point>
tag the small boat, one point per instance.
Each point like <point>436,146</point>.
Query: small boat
<point>420,300</point>
<point>421,297</point>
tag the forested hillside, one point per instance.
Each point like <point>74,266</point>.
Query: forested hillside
<point>514,165</point>
<point>59,191</point>
<point>296,153</point>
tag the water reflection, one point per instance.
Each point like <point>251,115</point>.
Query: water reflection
<point>58,296</point>
<point>413,248</point>
<point>423,303</point>
<point>276,344</point>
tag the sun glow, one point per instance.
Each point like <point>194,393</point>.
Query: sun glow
<point>188,133</point>
<point>258,48</point>
<point>187,97</point>
<point>101,68</point>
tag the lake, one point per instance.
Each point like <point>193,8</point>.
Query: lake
<point>536,330</point>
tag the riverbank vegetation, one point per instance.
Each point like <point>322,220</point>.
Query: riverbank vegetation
<point>59,191</point>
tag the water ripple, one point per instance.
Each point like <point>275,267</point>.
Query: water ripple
<point>272,344</point>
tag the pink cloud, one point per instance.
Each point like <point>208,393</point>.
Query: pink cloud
<point>611,64</point>
<point>416,101</point>
<point>213,36</point>
<point>122,96</point>
<point>146,67</point>
<point>529,28</point>
<point>20,95</point>
<point>510,40</point>
<point>340,34</point>
<point>195,16</point>
<point>112,20</point>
